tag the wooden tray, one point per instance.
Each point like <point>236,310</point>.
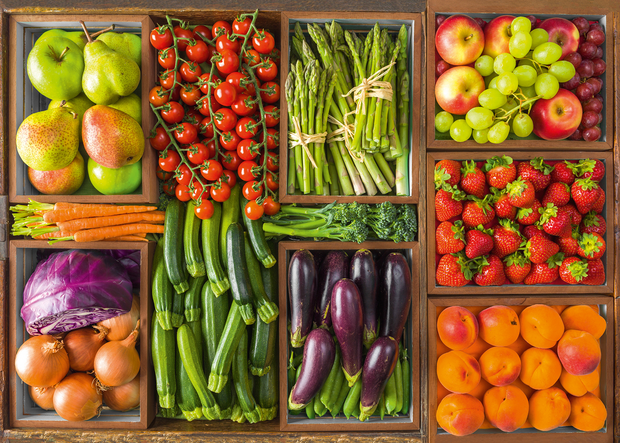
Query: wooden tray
<point>23,413</point>
<point>542,10</point>
<point>364,20</point>
<point>319,424</point>
<point>25,100</point>
<point>472,289</point>
<point>437,435</point>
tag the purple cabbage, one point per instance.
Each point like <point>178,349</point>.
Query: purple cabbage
<point>130,260</point>
<point>73,289</point>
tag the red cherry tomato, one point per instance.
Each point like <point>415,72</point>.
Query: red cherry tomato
<point>167,78</point>
<point>231,160</point>
<point>251,57</point>
<point>234,78</point>
<point>228,177</point>
<point>184,175</point>
<point>199,52</point>
<point>224,42</point>
<point>168,161</point>
<point>206,77</point>
<point>185,133</point>
<point>211,148</point>
<point>197,187</point>
<point>267,70</point>
<point>229,140</point>
<point>225,120</point>
<point>272,182</point>
<point>272,94</point>
<point>207,127</point>
<point>163,175</point>
<point>190,72</point>
<point>183,37</point>
<point>271,207</point>
<point>174,114</point>
<point>212,170</point>
<point>220,192</point>
<point>252,190</point>
<point>203,31</point>
<point>161,37</point>
<point>167,58</point>
<point>190,94</point>
<point>275,56</point>
<point>182,192</point>
<point>197,153</point>
<point>263,42</point>
<point>159,96</point>
<point>205,210</point>
<point>272,116</point>
<point>272,162</point>
<point>170,187</point>
<point>244,105</point>
<point>253,210</point>
<point>176,93</point>
<point>246,127</point>
<point>228,63</point>
<point>204,105</point>
<point>245,170</point>
<point>247,149</point>
<point>241,26</point>
<point>225,94</point>
<point>273,138</point>
<point>193,117</point>
<point>160,140</point>
<point>220,28</point>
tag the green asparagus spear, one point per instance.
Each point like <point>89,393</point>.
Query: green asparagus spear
<point>289,88</point>
<point>297,106</point>
<point>319,150</point>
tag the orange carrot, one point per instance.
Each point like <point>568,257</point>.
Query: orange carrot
<point>55,234</point>
<point>126,238</point>
<point>62,215</point>
<point>114,220</point>
<point>116,231</point>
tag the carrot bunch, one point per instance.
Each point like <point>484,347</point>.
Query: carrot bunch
<point>86,222</point>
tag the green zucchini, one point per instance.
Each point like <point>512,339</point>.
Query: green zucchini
<point>237,414</point>
<point>241,381</point>
<point>186,396</point>
<point>193,365</point>
<point>266,393</point>
<point>191,243</point>
<point>238,272</point>
<point>264,336</point>
<point>192,298</point>
<point>210,246</point>
<point>230,214</point>
<point>220,366</point>
<point>173,245</point>
<point>257,238</point>
<point>266,308</point>
<point>178,309</point>
<point>170,412</point>
<point>162,289</point>
<point>163,352</point>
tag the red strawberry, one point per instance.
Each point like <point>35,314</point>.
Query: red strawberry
<point>600,203</point>
<point>539,249</point>
<point>591,246</point>
<point>479,242</point>
<point>506,238</point>
<point>447,172</point>
<point>575,215</point>
<point>454,270</point>
<point>554,222</point>
<point>529,216</point>
<point>477,212</point>
<point>593,222</point>
<point>449,237</point>
<point>569,245</point>
<point>596,273</point>
<point>573,270</point>
<point>545,273</point>
<point>448,204</point>
<point>500,171</point>
<point>533,230</point>
<point>516,267</point>
<point>585,193</point>
<point>592,169</point>
<point>557,193</point>
<point>490,271</point>
<point>502,206</point>
<point>537,172</point>
<point>473,181</point>
<point>563,172</point>
<point>521,193</point>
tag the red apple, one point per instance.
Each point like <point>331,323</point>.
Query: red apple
<point>558,117</point>
<point>562,32</point>
<point>497,35</point>
<point>459,40</point>
<point>458,88</point>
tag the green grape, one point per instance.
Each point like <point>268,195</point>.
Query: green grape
<point>520,44</point>
<point>547,86</point>
<point>493,83</point>
<point>498,132</point>
<point>481,135</point>
<point>484,65</point>
<point>504,63</point>
<point>539,36</point>
<point>507,83</point>
<point>520,24</point>
<point>492,99</point>
<point>562,70</point>
<point>489,78</point>
<point>479,118</point>
<point>522,125</point>
<point>547,53</point>
<point>460,131</point>
<point>526,75</point>
<point>443,121</point>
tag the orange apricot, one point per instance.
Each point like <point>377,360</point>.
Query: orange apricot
<point>458,372</point>
<point>520,345</point>
<point>588,413</point>
<point>460,414</point>
<point>500,366</point>
<point>583,318</point>
<point>499,325</point>
<point>457,328</point>
<point>541,326</point>
<point>579,352</point>
<point>549,409</point>
<point>478,348</point>
<point>579,385</point>
<point>540,368</point>
<point>506,407</point>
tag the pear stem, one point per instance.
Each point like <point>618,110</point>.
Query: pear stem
<point>109,28</point>
<point>90,39</point>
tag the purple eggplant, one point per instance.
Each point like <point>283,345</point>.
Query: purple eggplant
<point>302,295</point>
<point>347,320</point>
<point>395,289</point>
<point>319,355</point>
<point>378,367</point>
<point>333,268</point>
<point>364,275</point>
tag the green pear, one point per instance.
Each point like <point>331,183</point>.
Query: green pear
<point>79,104</point>
<point>132,105</point>
<point>77,37</point>
<point>111,137</point>
<point>49,140</point>
<point>108,75</point>
<point>130,45</point>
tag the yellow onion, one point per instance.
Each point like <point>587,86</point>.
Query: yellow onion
<point>42,361</point>
<point>82,346</point>
<point>43,397</point>
<point>118,362</point>
<point>120,327</point>
<point>77,398</point>
<point>124,397</point>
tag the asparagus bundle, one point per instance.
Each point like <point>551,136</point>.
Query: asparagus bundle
<point>351,93</point>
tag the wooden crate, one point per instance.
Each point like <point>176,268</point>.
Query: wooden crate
<point>24,100</point>
<point>543,10</point>
<point>472,289</point>
<point>359,21</point>
<point>320,424</point>
<point>531,435</point>
<point>23,412</point>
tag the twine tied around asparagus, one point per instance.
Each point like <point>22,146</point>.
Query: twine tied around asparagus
<point>372,87</point>
<point>299,138</point>
<point>343,133</point>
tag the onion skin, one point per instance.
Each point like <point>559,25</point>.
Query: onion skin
<point>120,327</point>
<point>82,346</point>
<point>125,397</point>
<point>42,361</point>
<point>77,398</point>
<point>118,362</point>
<point>43,397</point>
